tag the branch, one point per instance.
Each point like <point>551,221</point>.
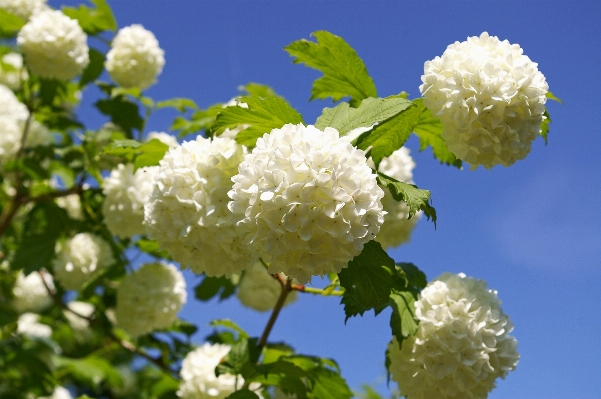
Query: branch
<point>303,288</point>
<point>286,288</point>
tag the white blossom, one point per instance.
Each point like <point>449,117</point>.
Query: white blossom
<point>72,204</point>
<point>307,201</point>
<point>490,98</point>
<point>258,289</point>
<point>10,106</point>
<point>54,46</point>
<point>30,292</point>
<point>12,134</point>
<point>29,325</point>
<point>462,344</point>
<point>58,393</point>
<point>84,309</point>
<point>79,258</point>
<point>23,8</point>
<point>164,138</point>
<point>135,58</point>
<point>12,72</point>
<point>150,298</point>
<point>187,213</point>
<point>126,193</point>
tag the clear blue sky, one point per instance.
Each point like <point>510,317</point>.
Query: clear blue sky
<point>533,231</point>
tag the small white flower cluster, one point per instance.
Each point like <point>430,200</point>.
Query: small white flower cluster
<point>490,98</point>
<point>58,393</point>
<point>72,204</point>
<point>28,324</point>
<point>462,344</point>
<point>126,193</point>
<point>187,213</point>
<point>23,8</point>
<point>397,228</point>
<point>54,46</point>
<point>12,73</point>
<point>81,309</point>
<point>258,289</point>
<point>198,380</point>
<point>163,137</point>
<point>135,58</point>
<point>80,258</point>
<point>150,298</point>
<point>10,106</point>
<point>30,292</point>
<point>307,201</point>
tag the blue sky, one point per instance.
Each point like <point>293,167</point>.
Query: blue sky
<point>532,231</point>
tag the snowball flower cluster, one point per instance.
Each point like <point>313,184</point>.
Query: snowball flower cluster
<point>198,380</point>
<point>397,228</point>
<point>490,98</point>
<point>12,71</point>
<point>307,201</point>
<point>150,298</point>
<point>462,345</point>
<point>28,324</point>
<point>164,138</point>
<point>135,58</point>
<point>187,213</point>
<point>23,8</point>
<point>30,292</point>
<point>258,289</point>
<point>54,46</point>
<point>10,106</point>
<point>80,258</point>
<point>126,193</point>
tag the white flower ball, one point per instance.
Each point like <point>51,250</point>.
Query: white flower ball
<point>23,8</point>
<point>72,204</point>
<point>187,213</point>
<point>126,193</point>
<point>82,309</point>
<point>79,258</point>
<point>490,98</point>
<point>150,298</point>
<point>307,200</point>
<point>397,228</point>
<point>30,293</point>
<point>12,73</point>
<point>10,139</point>
<point>54,46</point>
<point>164,138</point>
<point>462,344</point>
<point>29,325</point>
<point>135,59</point>
<point>198,380</point>
<point>10,106</point>
<point>258,289</point>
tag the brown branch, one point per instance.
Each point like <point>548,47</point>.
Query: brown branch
<point>286,288</point>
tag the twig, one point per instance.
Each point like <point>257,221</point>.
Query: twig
<point>286,288</point>
<point>309,290</point>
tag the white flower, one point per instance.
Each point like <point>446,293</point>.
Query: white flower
<point>198,380</point>
<point>72,204</point>
<point>30,293</point>
<point>81,309</point>
<point>54,46</point>
<point>10,106</point>
<point>231,133</point>
<point>12,133</point>
<point>79,258</point>
<point>462,344</point>
<point>126,193</point>
<point>187,213</point>
<point>12,72</point>
<point>29,325</point>
<point>397,229</point>
<point>59,393</point>
<point>307,201</point>
<point>163,137</point>
<point>23,8</point>
<point>150,298</point>
<point>258,289</point>
<point>490,98</point>
<point>135,59</point>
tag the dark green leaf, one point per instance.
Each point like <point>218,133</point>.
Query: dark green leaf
<point>415,198</point>
<point>367,280</point>
<point>183,327</point>
<point>93,20</point>
<point>49,89</point>
<point>122,112</point>
<point>402,321</point>
<point>344,72</point>
<point>329,385</point>
<point>243,394</point>
<point>414,279</point>
<point>91,371</point>
<point>241,359</point>
<point>94,68</point>
<point>212,286</point>
<point>291,378</point>
<point>10,24</point>
<point>181,104</point>
<point>544,126</point>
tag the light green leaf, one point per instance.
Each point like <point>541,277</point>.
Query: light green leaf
<point>344,72</point>
<point>141,154</point>
<point>402,321</point>
<point>257,89</point>
<point>227,323</point>
<point>10,24</point>
<point>415,198</point>
<point>329,385</point>
<point>552,96</point>
<point>93,20</point>
<point>91,371</point>
<point>344,118</point>
<point>261,116</point>
<point>94,68</point>
<point>181,104</point>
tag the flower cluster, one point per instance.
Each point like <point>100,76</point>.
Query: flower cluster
<point>187,213</point>
<point>30,292</point>
<point>135,58</point>
<point>10,106</point>
<point>12,72</point>
<point>163,137</point>
<point>490,98</point>
<point>78,314</point>
<point>28,324</point>
<point>462,344</point>
<point>58,393</point>
<point>54,46</point>
<point>258,289</point>
<point>126,193</point>
<point>72,204</point>
<point>307,201</point>
<point>23,8</point>
<point>80,258</point>
<point>150,298</point>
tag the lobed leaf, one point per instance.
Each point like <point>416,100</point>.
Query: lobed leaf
<point>415,198</point>
<point>181,104</point>
<point>123,112</point>
<point>93,20</point>
<point>402,321</point>
<point>94,68</point>
<point>213,286</point>
<point>10,24</point>
<point>141,154</point>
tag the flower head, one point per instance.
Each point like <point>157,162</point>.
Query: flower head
<point>135,58</point>
<point>462,344</point>
<point>307,201</point>
<point>490,98</point>
<point>187,213</point>
<point>54,46</point>
<point>23,8</point>
<point>30,292</point>
<point>150,298</point>
<point>258,289</point>
<point>72,204</point>
<point>10,106</point>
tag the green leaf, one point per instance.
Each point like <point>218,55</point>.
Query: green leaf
<point>241,359</point>
<point>93,20</point>
<point>544,126</point>
<point>552,96</point>
<point>201,120</point>
<point>229,324</point>
<point>10,24</point>
<point>344,72</point>
<point>261,116</point>
<point>91,371</point>
<point>94,68</point>
<point>152,247</point>
<point>260,90</point>
<point>415,198</point>
<point>122,112</point>
<point>181,104</point>
<point>329,385</point>
<point>402,321</point>
<point>243,394</point>
<point>344,118</point>
<point>49,89</point>
<point>291,378</point>
<point>141,154</point>
<point>367,280</point>
<point>414,279</point>
<point>429,130</point>
<point>212,286</point>
<point>183,327</point>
